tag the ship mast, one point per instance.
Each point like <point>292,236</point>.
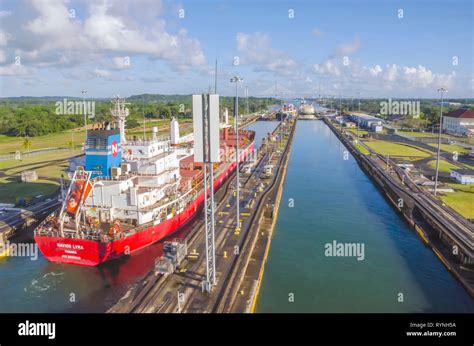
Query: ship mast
<point>120,112</point>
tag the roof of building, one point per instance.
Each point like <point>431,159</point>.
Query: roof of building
<point>365,116</point>
<point>395,117</point>
<point>464,171</point>
<point>461,113</point>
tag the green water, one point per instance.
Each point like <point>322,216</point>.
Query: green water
<point>334,200</point>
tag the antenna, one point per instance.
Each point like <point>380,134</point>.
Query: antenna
<point>144,119</point>
<point>120,112</point>
<point>215,78</point>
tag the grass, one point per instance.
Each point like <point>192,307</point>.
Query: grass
<point>49,168</point>
<point>444,166</point>
<point>417,134</point>
<point>354,131</point>
<point>461,187</point>
<point>395,149</point>
<point>362,149</point>
<point>462,202</point>
<point>10,144</point>
<point>451,148</point>
<point>55,140</point>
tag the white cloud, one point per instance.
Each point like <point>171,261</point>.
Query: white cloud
<point>13,70</point>
<point>318,33</point>
<point>256,49</point>
<point>421,77</point>
<point>4,14</point>
<point>348,48</point>
<point>122,62</point>
<point>102,73</point>
<point>391,73</point>
<point>375,71</point>
<point>327,67</point>
<point>4,38</point>
<point>127,28</point>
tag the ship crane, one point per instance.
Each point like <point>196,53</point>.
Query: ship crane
<point>120,112</point>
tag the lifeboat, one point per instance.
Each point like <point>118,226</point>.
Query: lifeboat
<point>78,190</point>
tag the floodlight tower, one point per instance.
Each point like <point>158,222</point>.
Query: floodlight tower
<point>206,151</point>
<point>442,91</point>
<point>84,93</point>
<point>237,80</point>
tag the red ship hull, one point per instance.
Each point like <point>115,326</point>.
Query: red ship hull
<point>92,253</point>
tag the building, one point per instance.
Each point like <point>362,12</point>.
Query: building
<point>29,176</point>
<point>366,121</point>
<point>459,122</point>
<point>376,128</point>
<point>463,176</point>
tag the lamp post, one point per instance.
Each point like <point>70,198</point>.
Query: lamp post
<point>442,91</point>
<point>236,80</point>
<point>83,93</point>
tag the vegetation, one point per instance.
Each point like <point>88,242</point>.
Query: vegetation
<point>461,201</point>
<point>362,149</point>
<point>29,117</point>
<point>49,167</point>
<point>451,148</point>
<point>444,166</point>
<point>395,149</point>
<point>64,139</point>
<point>416,134</point>
<point>361,132</point>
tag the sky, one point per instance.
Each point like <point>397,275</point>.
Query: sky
<point>302,48</point>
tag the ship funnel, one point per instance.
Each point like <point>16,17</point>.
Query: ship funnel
<point>174,130</point>
<point>226,116</point>
<point>155,132</point>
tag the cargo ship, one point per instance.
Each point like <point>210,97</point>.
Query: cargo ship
<point>132,193</point>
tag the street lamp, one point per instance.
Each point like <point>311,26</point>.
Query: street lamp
<point>442,91</point>
<point>84,92</point>
<point>237,80</point>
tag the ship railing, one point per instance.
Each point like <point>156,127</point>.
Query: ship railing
<point>131,175</point>
<point>148,141</point>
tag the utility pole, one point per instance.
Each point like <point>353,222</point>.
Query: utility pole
<point>143,114</point>
<point>442,91</point>
<point>215,78</point>
<point>247,99</point>
<point>358,93</point>
<point>84,92</point>
<point>237,80</point>
<point>340,110</point>
<point>320,94</point>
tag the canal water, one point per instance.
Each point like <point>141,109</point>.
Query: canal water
<point>41,286</point>
<point>326,199</point>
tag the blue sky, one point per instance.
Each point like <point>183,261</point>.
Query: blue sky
<point>133,47</point>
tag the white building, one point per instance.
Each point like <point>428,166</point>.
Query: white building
<point>365,121</point>
<point>463,176</point>
<point>459,122</point>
